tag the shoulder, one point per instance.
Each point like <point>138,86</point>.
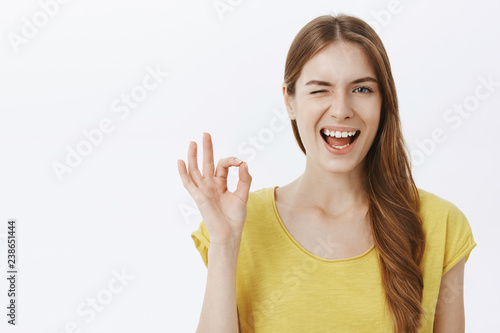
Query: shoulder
<point>431,203</point>
<point>260,198</point>
<point>261,209</point>
<point>446,227</point>
<point>435,210</point>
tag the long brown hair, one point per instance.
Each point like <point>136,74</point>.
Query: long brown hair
<point>394,201</point>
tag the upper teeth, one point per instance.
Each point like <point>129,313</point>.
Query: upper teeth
<point>338,134</point>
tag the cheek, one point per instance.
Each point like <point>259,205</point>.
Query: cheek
<point>373,118</point>
<point>372,122</point>
<point>312,110</point>
<point>369,111</point>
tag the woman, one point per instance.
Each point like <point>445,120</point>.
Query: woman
<point>352,245</point>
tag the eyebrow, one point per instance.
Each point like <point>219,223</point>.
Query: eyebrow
<point>328,84</point>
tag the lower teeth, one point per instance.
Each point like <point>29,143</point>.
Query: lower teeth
<point>340,147</point>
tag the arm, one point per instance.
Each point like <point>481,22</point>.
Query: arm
<point>450,315</point>
<point>224,214</point>
<point>219,311</point>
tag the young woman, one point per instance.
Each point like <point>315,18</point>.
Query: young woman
<point>352,245</point>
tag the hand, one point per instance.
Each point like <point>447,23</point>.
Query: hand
<point>223,212</point>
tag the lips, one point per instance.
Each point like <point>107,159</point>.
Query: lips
<point>334,141</point>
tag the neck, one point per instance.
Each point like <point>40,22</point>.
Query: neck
<point>335,193</point>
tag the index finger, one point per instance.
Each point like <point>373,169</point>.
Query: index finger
<point>208,155</point>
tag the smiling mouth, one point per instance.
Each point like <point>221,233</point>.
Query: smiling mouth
<point>339,142</point>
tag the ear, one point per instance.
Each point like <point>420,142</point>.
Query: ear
<point>288,102</point>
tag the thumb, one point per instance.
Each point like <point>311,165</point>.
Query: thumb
<point>244,182</point>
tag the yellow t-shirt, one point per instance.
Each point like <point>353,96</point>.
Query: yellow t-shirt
<point>282,287</point>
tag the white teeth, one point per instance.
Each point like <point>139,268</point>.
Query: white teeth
<point>339,134</point>
<point>340,147</point>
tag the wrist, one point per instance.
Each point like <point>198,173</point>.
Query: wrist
<point>229,242</point>
<point>229,247</point>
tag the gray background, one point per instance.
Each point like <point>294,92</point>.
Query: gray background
<point>123,206</point>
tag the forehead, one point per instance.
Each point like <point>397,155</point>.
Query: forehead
<point>338,62</point>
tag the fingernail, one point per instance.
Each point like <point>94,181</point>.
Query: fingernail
<point>246,166</point>
<point>238,160</point>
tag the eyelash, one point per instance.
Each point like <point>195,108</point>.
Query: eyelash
<point>363,87</point>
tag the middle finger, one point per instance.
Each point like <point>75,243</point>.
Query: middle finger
<point>208,156</point>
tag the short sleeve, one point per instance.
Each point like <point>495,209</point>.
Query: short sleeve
<point>202,241</point>
<point>459,239</point>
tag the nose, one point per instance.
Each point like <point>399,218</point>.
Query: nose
<point>340,107</point>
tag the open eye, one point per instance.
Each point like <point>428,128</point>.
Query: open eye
<point>364,89</point>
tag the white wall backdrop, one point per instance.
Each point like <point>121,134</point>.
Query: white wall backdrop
<point>90,174</point>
